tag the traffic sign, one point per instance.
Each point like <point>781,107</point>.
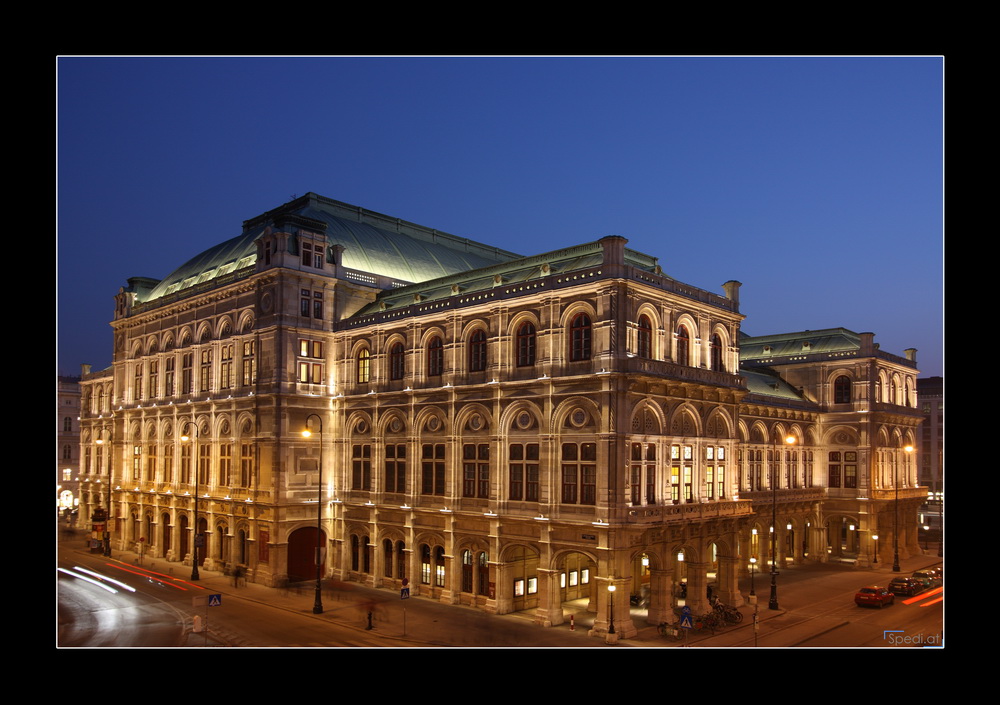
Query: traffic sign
<point>404,593</point>
<point>215,600</point>
<point>686,622</point>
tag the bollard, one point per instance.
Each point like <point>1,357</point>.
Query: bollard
<point>369,620</point>
<point>572,623</point>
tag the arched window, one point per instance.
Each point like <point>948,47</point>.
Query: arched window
<point>580,338</point>
<point>484,574</point>
<point>477,351</point>
<point>466,570</point>
<point>425,564</point>
<point>717,353</point>
<point>400,559</point>
<point>364,366</point>
<point>842,390</point>
<point>397,361</point>
<point>526,345</point>
<point>439,569</point>
<point>683,346</point>
<point>645,337</point>
<point>435,357</point>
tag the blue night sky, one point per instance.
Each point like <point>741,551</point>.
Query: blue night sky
<point>817,182</point>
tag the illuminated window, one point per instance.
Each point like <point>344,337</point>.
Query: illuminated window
<point>364,366</point>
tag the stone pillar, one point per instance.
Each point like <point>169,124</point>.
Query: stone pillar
<point>549,612</point>
<point>697,591</point>
<point>728,583</point>
<point>660,596</point>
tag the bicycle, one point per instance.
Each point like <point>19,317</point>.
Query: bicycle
<point>670,631</point>
<point>729,614</point>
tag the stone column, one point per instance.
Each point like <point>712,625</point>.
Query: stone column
<point>549,612</point>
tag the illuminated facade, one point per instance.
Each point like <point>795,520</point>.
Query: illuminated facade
<point>503,431</point>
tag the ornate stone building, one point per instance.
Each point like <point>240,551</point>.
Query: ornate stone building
<point>502,431</point>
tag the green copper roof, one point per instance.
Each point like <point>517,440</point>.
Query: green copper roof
<point>785,346</point>
<point>372,242</point>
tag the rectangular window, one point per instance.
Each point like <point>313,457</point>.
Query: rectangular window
<point>226,367</point>
<point>688,492</point>
<point>395,468</point>
<point>361,467</point>
<point>305,301</point>
<point>154,370</point>
<point>675,484</point>
<point>187,373</point>
<point>851,476</point>
<point>136,462</point>
<point>476,470</point>
<point>204,464</point>
<point>225,463</point>
<point>432,469</point>
<point>579,473</point>
<point>249,363</point>
<point>524,471</point>
<point>205,379</point>
<point>137,386</point>
<point>318,305</point>
<point>168,376</point>
<point>186,464</point>
<point>168,463</point>
<point>151,463</point>
<point>246,464</point>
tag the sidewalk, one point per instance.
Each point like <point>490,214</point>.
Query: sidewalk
<point>347,604</point>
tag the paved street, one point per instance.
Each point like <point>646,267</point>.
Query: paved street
<point>815,600</point>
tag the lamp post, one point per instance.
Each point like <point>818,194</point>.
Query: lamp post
<point>753,565</point>
<point>875,539</point>
<point>895,509</point>
<point>195,456</point>
<point>772,603</point>
<point>318,603</point>
<point>611,612</point>
<point>107,520</point>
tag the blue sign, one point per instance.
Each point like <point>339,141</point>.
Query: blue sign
<point>686,622</point>
<point>215,600</point>
<point>404,593</point>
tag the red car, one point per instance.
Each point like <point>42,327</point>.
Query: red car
<point>874,595</point>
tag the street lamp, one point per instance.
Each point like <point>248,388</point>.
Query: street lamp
<point>895,509</point>
<point>611,602</point>
<point>196,457</point>
<point>107,520</point>
<point>753,565</point>
<point>772,603</point>
<point>875,539</point>
<point>318,603</point>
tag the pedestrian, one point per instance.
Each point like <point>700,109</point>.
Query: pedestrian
<point>237,574</point>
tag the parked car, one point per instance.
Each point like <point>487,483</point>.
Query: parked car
<point>874,595</point>
<point>931,574</point>
<point>906,586</point>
